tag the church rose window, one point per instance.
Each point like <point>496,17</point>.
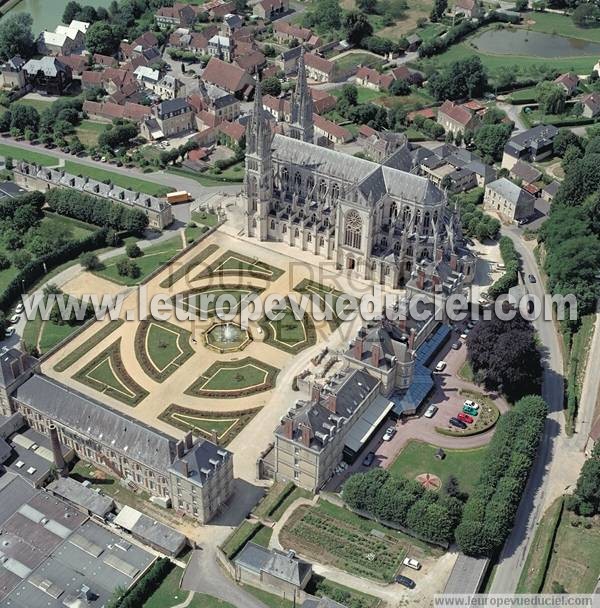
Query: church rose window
<point>353,229</point>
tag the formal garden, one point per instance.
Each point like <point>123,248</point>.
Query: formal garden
<point>288,333</point>
<point>326,299</point>
<point>107,374</point>
<point>226,425</point>
<point>161,348</point>
<point>227,379</point>
<point>202,301</point>
<point>233,264</point>
<point>180,270</point>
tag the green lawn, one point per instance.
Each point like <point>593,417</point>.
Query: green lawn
<point>205,217</point>
<point>552,23</point>
<point>292,497</point>
<point>288,333</point>
<point>351,60</point>
<point>240,377</point>
<point>263,536</point>
<point>169,594</point>
<point>364,95</point>
<point>269,599</point>
<point>39,104</point>
<point>418,457</point>
<point>183,269</point>
<point>524,95</point>
<point>575,558</point>
<point>166,344</point>
<point>232,263</point>
<point>18,153</point>
<point>209,181</point>
<point>119,179</point>
<point>153,257</point>
<point>88,131</point>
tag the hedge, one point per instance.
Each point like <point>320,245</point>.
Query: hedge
<point>510,278</point>
<point>37,269</point>
<point>139,594</point>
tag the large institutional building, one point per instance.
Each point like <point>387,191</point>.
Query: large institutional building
<point>378,220</point>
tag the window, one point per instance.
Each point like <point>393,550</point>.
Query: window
<point>309,238</point>
<point>335,192</point>
<point>353,232</point>
<point>296,474</point>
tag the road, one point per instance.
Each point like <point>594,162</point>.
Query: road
<point>513,112</point>
<point>546,479</point>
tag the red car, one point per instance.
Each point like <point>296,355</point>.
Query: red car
<point>464,417</point>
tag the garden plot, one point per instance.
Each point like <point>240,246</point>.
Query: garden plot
<point>235,264</point>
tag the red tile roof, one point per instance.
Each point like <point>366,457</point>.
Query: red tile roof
<point>322,100</point>
<point>251,61</point>
<point>425,113</point>
<point>233,130</point>
<point>225,75</point>
<point>318,63</point>
<point>455,112</point>
<point>366,131</point>
<point>287,29</point>
<point>324,124</point>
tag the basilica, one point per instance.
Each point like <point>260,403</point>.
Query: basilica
<point>379,220</point>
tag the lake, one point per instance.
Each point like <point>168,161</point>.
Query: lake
<point>47,14</point>
<point>532,44</point>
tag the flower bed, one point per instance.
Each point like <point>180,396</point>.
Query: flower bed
<point>236,264</point>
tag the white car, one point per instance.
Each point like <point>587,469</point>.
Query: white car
<point>15,319</point>
<point>441,366</point>
<point>389,433</point>
<point>464,335</point>
<point>412,563</point>
<point>19,308</point>
<point>9,332</point>
<point>431,411</point>
<point>471,403</point>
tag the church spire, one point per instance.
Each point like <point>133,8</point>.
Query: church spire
<point>302,126</point>
<point>258,132</point>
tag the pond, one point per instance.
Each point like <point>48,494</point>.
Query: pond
<point>47,14</point>
<point>532,44</point>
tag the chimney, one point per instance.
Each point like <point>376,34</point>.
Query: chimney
<point>420,278</point>
<point>411,338</point>
<point>182,468</point>
<point>59,461</point>
<point>188,440</point>
<point>315,392</point>
<point>288,428</point>
<point>375,355</point>
<point>439,254</point>
<point>214,436</point>
<point>331,402</point>
<point>306,435</point>
<point>453,261</point>
<point>357,351</point>
<point>179,446</point>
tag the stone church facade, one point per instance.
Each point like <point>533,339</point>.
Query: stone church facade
<point>378,220</point>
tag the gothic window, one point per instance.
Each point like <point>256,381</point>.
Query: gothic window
<point>285,176</point>
<point>384,242</point>
<point>408,266</point>
<point>335,192</point>
<point>386,271</point>
<point>284,229</point>
<point>373,265</point>
<point>394,211</point>
<point>296,233</point>
<point>353,232</point>
<point>321,242</point>
<point>310,183</point>
<point>406,214</point>
<point>409,251</point>
<point>254,223</point>
<point>309,238</point>
<point>418,218</point>
<point>426,220</point>
<point>326,222</point>
<point>298,181</point>
<point>397,246</point>
<point>272,224</point>
<point>425,253</point>
<point>435,217</point>
<point>322,189</point>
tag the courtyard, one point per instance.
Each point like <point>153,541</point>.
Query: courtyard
<point>200,374</point>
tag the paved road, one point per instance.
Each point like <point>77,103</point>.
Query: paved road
<point>552,446</point>
<point>513,112</point>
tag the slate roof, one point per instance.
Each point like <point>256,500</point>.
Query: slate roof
<point>202,460</point>
<point>320,602</point>
<point>509,191</point>
<point>98,421</point>
<point>50,66</point>
<point>526,172</point>
<point>534,138</point>
<point>80,495</point>
<point>284,566</point>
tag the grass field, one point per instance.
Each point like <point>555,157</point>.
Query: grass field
<point>119,179</point>
<point>418,457</point>
<point>209,181</point>
<point>88,131</point>
<point>552,23</point>
<point>268,599</point>
<point>351,60</point>
<point>165,345</point>
<point>39,104</point>
<point>364,95</point>
<point>153,257</point>
<point>18,153</point>
<point>289,333</point>
<point>575,559</point>
<point>169,594</point>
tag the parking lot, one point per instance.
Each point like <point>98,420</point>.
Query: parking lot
<point>446,395</point>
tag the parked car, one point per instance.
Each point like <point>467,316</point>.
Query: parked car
<point>465,417</point>
<point>457,423</point>
<point>456,346</point>
<point>412,563</point>
<point>19,308</point>
<point>464,334</point>
<point>15,319</point>
<point>441,366</point>
<point>405,581</point>
<point>470,410</point>
<point>9,332</point>
<point>472,404</point>
<point>470,324</point>
<point>532,279</point>
<point>389,433</point>
<point>431,411</point>
<point>369,459</point>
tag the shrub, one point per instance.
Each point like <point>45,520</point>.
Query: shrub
<point>133,251</point>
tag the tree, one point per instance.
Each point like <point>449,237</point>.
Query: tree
<point>118,136</point>
<point>551,97</point>
<point>490,140</point>
<point>400,87</point>
<point>586,497</point>
<point>25,117</point>
<point>367,6</point>
<point>438,10</point>
<point>326,18</point>
<point>586,14</point>
<point>5,121</point>
<point>133,250</point>
<point>463,78</point>
<point>72,10</point>
<point>582,179</point>
<point>101,38</point>
<point>513,365</point>
<point>564,139</point>
<point>16,37</point>
<point>90,261</point>
<point>4,262</point>
<point>21,258</point>
<point>271,86</point>
<point>521,5</point>
<point>88,14</point>
<point>356,27</point>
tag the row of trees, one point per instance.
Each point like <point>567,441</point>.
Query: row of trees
<point>504,357</point>
<point>97,211</point>
<point>144,588</point>
<point>390,498</point>
<point>474,221</point>
<point>570,236</point>
<point>585,500</point>
<point>510,278</point>
<point>490,510</point>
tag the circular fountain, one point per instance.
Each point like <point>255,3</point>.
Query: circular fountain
<point>226,337</point>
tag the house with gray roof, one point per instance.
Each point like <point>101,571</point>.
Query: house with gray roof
<point>534,144</point>
<point>320,602</point>
<point>48,74</point>
<point>82,496</point>
<point>281,572</point>
<point>508,200</point>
